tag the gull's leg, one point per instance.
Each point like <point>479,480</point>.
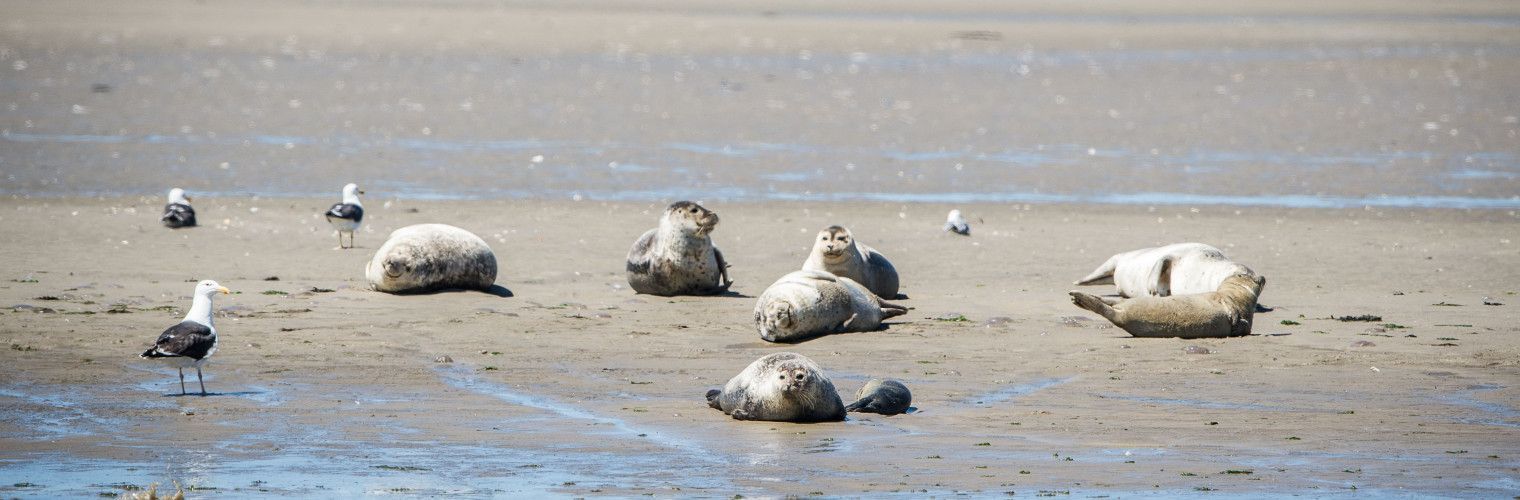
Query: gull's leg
<point>182,381</point>
<point>198,376</point>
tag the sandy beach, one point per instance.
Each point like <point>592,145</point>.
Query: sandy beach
<point>575,385</point>
<point>1363,156</point>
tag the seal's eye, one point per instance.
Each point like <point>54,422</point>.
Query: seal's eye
<point>693,210</point>
<point>782,376</point>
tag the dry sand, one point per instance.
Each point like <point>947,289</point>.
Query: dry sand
<point>575,385</point>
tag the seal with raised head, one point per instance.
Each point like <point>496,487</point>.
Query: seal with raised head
<point>887,397</point>
<point>838,252</point>
<point>1226,312</point>
<point>431,257</point>
<point>807,304</point>
<point>678,258</point>
<point>1182,269</point>
<point>781,387</point>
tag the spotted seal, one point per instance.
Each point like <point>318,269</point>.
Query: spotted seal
<point>781,387</point>
<point>1226,312</point>
<point>838,252</point>
<point>678,258</point>
<point>806,304</point>
<point>430,257</point>
<point>887,397</point>
<point>1182,268</point>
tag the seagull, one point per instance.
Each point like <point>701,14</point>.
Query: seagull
<point>957,224</point>
<point>178,212</point>
<point>345,216</point>
<point>193,340</point>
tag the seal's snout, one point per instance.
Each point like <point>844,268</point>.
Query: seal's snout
<point>394,269</point>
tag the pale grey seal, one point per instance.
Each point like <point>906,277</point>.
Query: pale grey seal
<point>1182,269</point>
<point>837,251</point>
<point>678,258</point>
<point>806,304</point>
<point>887,397</point>
<point>1226,312</point>
<point>782,387</point>
<point>429,257</point>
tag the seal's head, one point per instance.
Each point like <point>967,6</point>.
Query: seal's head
<point>776,317</point>
<point>793,377</point>
<point>834,242</point>
<point>1243,289</point>
<point>689,217</point>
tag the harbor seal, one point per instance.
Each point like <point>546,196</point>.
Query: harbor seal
<point>430,257</point>
<point>1182,269</point>
<point>678,258</point>
<point>807,304</point>
<point>838,252</point>
<point>887,397</point>
<point>1226,312</point>
<point>781,387</point>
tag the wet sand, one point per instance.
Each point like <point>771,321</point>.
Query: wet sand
<point>575,385</point>
<point>1362,155</point>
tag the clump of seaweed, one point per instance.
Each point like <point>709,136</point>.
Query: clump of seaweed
<point>1364,317</point>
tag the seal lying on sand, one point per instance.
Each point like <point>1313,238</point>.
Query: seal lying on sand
<point>806,304</point>
<point>1181,269</point>
<point>836,251</point>
<point>887,397</point>
<point>428,257</point>
<point>782,387</point>
<point>1226,312</point>
<point>678,258</point>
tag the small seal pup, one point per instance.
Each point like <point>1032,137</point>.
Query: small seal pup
<point>807,304</point>
<point>1182,269</point>
<point>1226,312</point>
<point>781,387</point>
<point>192,341</point>
<point>887,397</point>
<point>678,258</point>
<point>178,213</point>
<point>345,216</point>
<point>838,252</point>
<point>957,224</point>
<point>429,257</point>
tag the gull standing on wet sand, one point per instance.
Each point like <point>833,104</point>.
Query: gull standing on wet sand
<point>193,340</point>
<point>345,216</point>
<point>178,212</point>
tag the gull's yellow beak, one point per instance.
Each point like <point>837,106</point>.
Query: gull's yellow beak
<point>223,289</point>
<point>188,198</point>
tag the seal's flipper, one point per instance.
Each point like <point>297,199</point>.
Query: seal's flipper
<point>890,310</point>
<point>1094,304</point>
<point>1103,275</point>
<point>1160,282</point>
<point>723,281</point>
<point>846,325</point>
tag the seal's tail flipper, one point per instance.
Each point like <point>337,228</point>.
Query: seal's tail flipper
<point>1103,275</point>
<point>1094,304</point>
<point>712,398</point>
<point>890,310</point>
<point>856,406</point>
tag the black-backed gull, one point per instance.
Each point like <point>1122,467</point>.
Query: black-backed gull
<point>957,224</point>
<point>178,212</point>
<point>193,340</point>
<point>345,217</point>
